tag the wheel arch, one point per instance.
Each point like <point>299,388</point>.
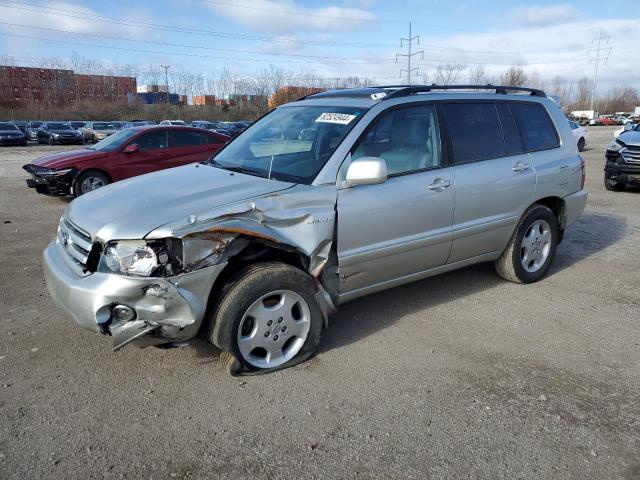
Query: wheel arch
<point>558,207</point>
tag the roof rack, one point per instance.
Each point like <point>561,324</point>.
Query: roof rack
<point>386,92</point>
<point>403,91</point>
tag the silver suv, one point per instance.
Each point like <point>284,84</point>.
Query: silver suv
<point>255,247</point>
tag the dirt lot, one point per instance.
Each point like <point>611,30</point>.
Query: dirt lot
<point>459,376</point>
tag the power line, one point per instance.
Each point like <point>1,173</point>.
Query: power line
<point>597,60</point>
<point>409,55</point>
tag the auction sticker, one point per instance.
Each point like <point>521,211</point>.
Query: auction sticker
<point>340,118</point>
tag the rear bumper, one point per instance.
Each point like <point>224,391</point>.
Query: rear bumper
<point>167,309</point>
<point>574,205</point>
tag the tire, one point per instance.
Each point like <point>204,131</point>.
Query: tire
<point>614,186</point>
<point>524,262</point>
<point>267,347</point>
<point>50,140</point>
<point>581,144</point>
<point>90,177</point>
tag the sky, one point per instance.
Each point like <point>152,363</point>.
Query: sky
<point>332,38</point>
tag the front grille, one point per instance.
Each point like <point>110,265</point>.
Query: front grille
<point>631,154</point>
<point>75,244</point>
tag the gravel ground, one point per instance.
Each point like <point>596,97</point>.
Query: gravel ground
<point>459,376</point>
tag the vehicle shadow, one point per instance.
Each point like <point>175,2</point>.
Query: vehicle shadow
<point>362,317</point>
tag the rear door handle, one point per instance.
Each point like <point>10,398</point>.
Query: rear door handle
<point>439,184</point>
<point>520,167</point>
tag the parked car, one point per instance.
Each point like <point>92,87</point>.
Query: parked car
<point>10,134</point>
<point>204,124</point>
<point>173,122</point>
<point>579,135</point>
<point>76,125</point>
<point>622,160</point>
<point>137,123</point>
<point>96,131</point>
<point>22,125</point>
<point>256,246</point>
<point>127,153</point>
<point>626,127</point>
<point>32,129</point>
<point>231,127</point>
<point>58,132</point>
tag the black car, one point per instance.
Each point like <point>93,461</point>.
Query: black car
<point>21,124</point>
<point>77,125</point>
<point>622,165</point>
<point>59,132</point>
<point>32,129</point>
<point>11,135</point>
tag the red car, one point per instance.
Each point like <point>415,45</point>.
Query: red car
<point>127,153</point>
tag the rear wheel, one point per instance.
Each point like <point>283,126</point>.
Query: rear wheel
<point>532,248</point>
<point>267,319</point>
<point>89,181</point>
<point>614,186</point>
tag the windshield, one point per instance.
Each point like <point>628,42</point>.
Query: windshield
<point>115,141</point>
<point>107,126</point>
<point>59,126</point>
<point>35,124</point>
<point>7,126</point>
<point>291,143</point>
<point>77,124</point>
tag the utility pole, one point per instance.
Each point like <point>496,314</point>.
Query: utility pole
<point>409,43</point>
<point>598,58</point>
<point>166,78</point>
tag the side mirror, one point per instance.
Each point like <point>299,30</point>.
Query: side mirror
<point>628,126</point>
<point>367,171</point>
<point>132,148</point>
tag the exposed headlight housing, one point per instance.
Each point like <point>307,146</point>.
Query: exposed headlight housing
<point>55,173</point>
<point>140,258</point>
<point>615,146</point>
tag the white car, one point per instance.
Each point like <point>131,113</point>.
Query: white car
<point>579,134</point>
<point>626,127</point>
<point>173,122</point>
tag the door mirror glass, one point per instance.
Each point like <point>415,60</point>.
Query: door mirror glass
<point>367,171</point>
<point>132,148</point>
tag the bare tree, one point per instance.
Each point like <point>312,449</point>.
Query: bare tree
<point>479,75</point>
<point>514,76</point>
<point>448,74</point>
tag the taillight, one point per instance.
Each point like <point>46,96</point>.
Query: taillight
<point>584,173</point>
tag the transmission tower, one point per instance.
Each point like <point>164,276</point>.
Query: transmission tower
<point>409,42</point>
<point>599,57</point>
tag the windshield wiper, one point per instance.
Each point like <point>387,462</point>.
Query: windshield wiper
<point>235,168</point>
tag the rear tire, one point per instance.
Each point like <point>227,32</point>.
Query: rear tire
<point>532,248</point>
<point>614,186</point>
<point>266,318</point>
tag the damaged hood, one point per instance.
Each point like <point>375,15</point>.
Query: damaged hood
<point>132,208</point>
<point>67,159</point>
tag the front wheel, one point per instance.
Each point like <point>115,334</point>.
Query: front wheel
<point>267,318</point>
<point>614,186</point>
<point>532,247</point>
<point>88,181</point>
<point>581,144</point>
<point>50,140</point>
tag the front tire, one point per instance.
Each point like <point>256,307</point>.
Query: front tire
<point>532,248</point>
<point>614,186</point>
<point>266,319</point>
<point>581,144</point>
<point>50,141</point>
<point>88,181</point>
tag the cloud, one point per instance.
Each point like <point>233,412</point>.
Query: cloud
<point>538,16</point>
<point>287,16</point>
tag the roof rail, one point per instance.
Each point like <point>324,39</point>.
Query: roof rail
<point>404,90</point>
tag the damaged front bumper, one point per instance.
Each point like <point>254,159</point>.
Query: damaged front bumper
<point>166,309</point>
<point>50,182</point>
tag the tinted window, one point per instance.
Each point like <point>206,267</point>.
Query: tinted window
<point>152,140</point>
<point>475,131</point>
<point>8,126</point>
<point>512,139</point>
<point>537,129</point>
<point>186,138</point>
<point>59,126</point>
<point>408,140</point>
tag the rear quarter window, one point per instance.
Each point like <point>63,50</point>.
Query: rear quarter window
<point>536,127</point>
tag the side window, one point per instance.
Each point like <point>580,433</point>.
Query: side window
<point>475,131</point>
<point>537,128</point>
<point>408,140</point>
<point>152,140</point>
<point>512,139</point>
<point>187,138</point>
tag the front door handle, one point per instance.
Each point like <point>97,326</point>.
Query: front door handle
<point>520,166</point>
<point>439,184</point>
